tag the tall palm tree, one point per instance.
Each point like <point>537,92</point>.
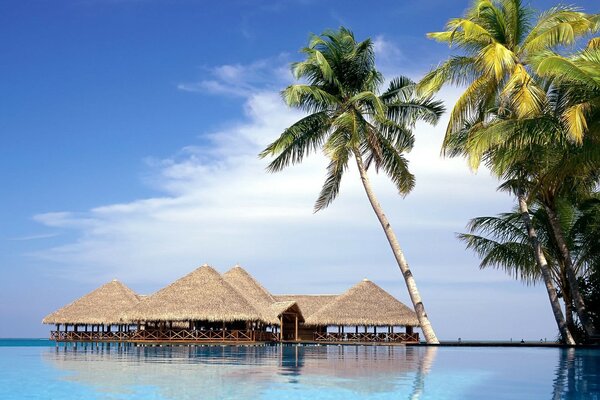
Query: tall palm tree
<point>538,158</point>
<point>499,42</point>
<point>348,118</point>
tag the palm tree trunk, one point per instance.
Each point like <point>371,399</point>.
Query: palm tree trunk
<point>571,276</point>
<point>568,300</point>
<point>545,269</point>
<point>411,285</point>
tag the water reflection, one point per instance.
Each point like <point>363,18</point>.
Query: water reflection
<point>577,375</point>
<point>349,372</point>
<point>181,372</point>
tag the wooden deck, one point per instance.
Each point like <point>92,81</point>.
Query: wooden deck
<point>225,336</point>
<point>366,337</point>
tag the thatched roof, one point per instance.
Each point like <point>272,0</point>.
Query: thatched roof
<point>201,295</point>
<point>258,296</point>
<point>280,307</point>
<point>308,303</point>
<point>104,305</point>
<point>364,304</point>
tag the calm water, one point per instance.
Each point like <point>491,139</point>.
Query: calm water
<point>40,370</point>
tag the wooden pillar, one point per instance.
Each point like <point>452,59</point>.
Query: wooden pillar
<point>296,326</point>
<point>409,330</point>
<point>356,329</point>
<point>375,330</point>
<point>281,330</point>
<point>75,328</point>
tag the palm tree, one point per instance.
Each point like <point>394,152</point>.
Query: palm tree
<point>538,161</point>
<point>499,42</point>
<point>502,242</point>
<point>348,118</point>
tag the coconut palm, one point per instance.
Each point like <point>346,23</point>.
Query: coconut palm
<point>349,118</point>
<point>499,42</point>
<point>538,161</point>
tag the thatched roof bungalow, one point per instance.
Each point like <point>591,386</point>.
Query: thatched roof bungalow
<point>365,304</point>
<point>104,305</point>
<point>202,295</point>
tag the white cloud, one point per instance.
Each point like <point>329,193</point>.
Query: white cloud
<point>218,205</point>
<point>241,80</point>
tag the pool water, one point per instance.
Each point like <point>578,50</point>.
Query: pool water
<point>41,370</point>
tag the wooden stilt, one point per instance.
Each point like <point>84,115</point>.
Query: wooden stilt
<point>296,328</point>
<point>281,330</point>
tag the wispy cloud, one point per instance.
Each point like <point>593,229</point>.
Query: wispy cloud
<point>34,237</point>
<point>242,79</point>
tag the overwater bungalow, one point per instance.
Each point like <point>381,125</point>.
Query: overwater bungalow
<point>205,306</point>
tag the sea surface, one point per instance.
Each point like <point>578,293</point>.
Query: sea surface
<point>39,369</point>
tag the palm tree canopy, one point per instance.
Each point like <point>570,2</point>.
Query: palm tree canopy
<point>501,241</point>
<point>535,155</point>
<point>347,115</point>
<point>581,72</point>
<point>499,40</point>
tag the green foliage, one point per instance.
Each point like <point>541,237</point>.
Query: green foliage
<point>348,116</point>
<point>499,40</point>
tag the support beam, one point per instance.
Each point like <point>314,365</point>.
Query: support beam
<point>296,326</point>
<point>281,326</point>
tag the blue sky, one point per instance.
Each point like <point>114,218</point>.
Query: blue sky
<point>130,130</point>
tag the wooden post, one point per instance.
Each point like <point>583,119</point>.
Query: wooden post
<point>281,330</point>
<point>356,329</point>
<point>296,326</point>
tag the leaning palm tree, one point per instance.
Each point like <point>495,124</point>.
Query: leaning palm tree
<point>348,118</point>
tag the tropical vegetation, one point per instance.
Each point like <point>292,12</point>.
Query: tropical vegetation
<point>532,119</point>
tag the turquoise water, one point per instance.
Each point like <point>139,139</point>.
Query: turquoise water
<point>38,369</point>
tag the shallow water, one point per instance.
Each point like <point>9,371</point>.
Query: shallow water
<point>40,370</point>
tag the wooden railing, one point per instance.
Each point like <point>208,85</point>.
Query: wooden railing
<point>266,336</point>
<point>367,337</point>
<point>169,335</point>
